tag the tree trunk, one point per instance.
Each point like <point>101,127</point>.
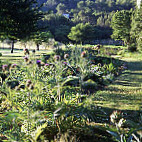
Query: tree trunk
<point>12,46</point>
<point>37,47</point>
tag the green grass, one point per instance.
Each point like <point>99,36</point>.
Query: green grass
<point>125,93</point>
<point>114,46</point>
<point>132,56</point>
<point>18,54</point>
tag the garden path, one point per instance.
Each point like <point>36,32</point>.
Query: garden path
<point>125,92</point>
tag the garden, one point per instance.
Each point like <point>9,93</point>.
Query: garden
<point>52,97</point>
<point>70,71</point>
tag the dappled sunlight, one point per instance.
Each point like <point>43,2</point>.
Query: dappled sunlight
<point>126,91</point>
<point>121,105</point>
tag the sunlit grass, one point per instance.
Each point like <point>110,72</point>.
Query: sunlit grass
<point>125,92</point>
<point>114,46</point>
<point>18,54</point>
<point>132,56</point>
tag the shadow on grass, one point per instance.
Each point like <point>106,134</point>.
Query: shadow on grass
<point>125,93</point>
<point>135,66</point>
<point>133,115</point>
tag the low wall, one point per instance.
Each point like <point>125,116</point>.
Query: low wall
<point>108,42</point>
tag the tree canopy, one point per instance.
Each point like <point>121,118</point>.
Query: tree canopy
<point>81,33</point>
<point>136,30</point>
<point>18,19</point>
<point>121,25</point>
<point>98,13</point>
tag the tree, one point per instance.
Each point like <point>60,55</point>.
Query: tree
<point>61,33</point>
<point>80,5</point>
<point>59,26</point>
<point>41,37</point>
<point>101,5</point>
<point>81,33</point>
<point>87,11</point>
<point>19,19</point>
<point>121,25</point>
<point>51,4</point>
<point>84,12</point>
<point>61,8</point>
<point>136,30</point>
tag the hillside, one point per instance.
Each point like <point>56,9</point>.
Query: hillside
<point>98,13</point>
<point>99,5</point>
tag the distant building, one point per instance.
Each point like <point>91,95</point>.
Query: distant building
<point>139,3</point>
<point>66,15</point>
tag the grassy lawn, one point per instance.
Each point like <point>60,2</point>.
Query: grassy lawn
<point>18,54</point>
<point>125,92</point>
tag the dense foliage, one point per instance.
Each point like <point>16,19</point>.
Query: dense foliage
<point>121,25</point>
<point>18,19</point>
<point>81,33</point>
<point>127,26</point>
<point>42,99</point>
<point>98,13</point>
<point>136,25</point>
<point>62,16</point>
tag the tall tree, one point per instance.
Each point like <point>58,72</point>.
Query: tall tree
<point>59,26</point>
<point>18,19</point>
<point>61,33</point>
<point>41,37</point>
<point>136,25</point>
<point>121,25</point>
